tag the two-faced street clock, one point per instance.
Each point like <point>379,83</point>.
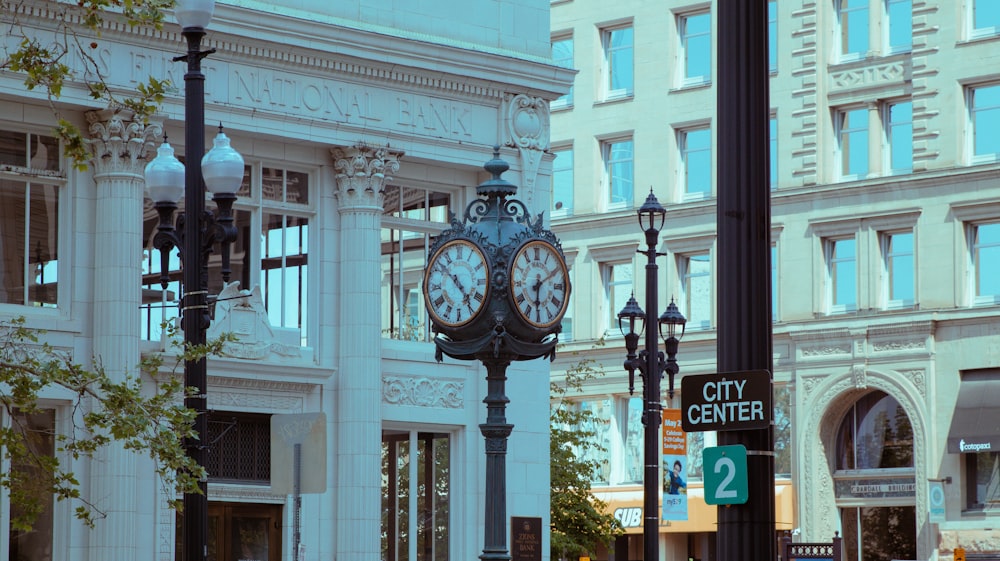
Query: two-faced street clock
<point>496,288</point>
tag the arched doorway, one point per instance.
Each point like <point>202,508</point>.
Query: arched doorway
<point>875,480</point>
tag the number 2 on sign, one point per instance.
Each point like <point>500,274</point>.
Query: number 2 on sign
<point>723,491</point>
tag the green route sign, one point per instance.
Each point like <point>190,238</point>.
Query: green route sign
<point>726,475</point>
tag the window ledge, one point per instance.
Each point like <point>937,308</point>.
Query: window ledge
<point>692,87</point>
<point>613,100</point>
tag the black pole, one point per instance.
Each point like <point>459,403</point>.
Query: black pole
<point>496,430</point>
<point>651,419</point>
<point>194,308</point>
<point>744,258</point>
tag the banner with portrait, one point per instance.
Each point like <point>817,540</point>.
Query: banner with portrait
<point>675,500</point>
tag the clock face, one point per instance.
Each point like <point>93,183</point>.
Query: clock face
<point>456,283</point>
<point>539,284</point>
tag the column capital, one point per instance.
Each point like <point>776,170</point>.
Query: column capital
<point>119,142</point>
<point>362,171</point>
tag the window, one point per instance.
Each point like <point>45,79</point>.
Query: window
<point>695,272</point>
<point>38,432</point>
<point>618,65</point>
<point>852,18</point>
<point>984,110</point>
<point>599,416</point>
<point>412,216</point>
<point>695,32</point>
<point>852,135</point>
<point>30,185</point>
<point>634,441</point>
<point>772,36</point>
<point>982,475</point>
<point>271,216</point>
<point>416,495</point>
<point>562,182</point>
<point>696,162</point>
<point>900,15</point>
<point>562,55</point>
<point>899,137</point>
<point>898,275</point>
<point>773,148</point>
<point>241,448</point>
<point>985,248</point>
<point>985,17</point>
<point>842,275</point>
<point>618,288</point>
<point>618,173</point>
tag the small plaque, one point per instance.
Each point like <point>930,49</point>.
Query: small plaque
<point>525,538</point>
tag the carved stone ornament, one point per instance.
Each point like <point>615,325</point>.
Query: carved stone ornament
<point>423,392</point>
<point>241,313</point>
<point>528,127</point>
<point>869,76</point>
<point>120,143</point>
<point>362,172</point>
<point>859,375</point>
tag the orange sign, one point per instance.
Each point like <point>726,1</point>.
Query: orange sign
<point>674,437</point>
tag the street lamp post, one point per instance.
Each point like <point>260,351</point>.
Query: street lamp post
<point>220,171</point>
<point>651,364</point>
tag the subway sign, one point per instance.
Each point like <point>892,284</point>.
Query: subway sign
<point>726,401</point>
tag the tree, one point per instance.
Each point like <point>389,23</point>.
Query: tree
<point>579,519</point>
<point>103,412</point>
<point>65,55</point>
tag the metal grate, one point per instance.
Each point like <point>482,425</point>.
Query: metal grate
<point>239,447</point>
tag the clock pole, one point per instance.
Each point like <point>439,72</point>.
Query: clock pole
<point>518,317</point>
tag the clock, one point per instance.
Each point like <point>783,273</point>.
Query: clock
<point>539,284</point>
<point>456,283</point>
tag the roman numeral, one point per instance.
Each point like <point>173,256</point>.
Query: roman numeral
<point>478,296</point>
<point>556,302</point>
<point>520,299</point>
<point>558,286</point>
<point>438,301</point>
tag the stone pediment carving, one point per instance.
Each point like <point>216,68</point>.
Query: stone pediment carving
<point>241,314</point>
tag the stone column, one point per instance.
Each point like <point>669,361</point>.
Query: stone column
<point>120,146</point>
<point>876,140</point>
<point>361,173</point>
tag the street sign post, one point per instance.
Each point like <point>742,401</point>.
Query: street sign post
<point>726,475</point>
<point>726,401</point>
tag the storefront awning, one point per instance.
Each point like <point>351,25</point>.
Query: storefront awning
<point>626,505</point>
<point>975,425</point>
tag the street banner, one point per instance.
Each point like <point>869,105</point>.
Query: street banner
<point>675,500</point>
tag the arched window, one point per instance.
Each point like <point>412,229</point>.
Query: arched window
<point>875,434</point>
<point>875,481</point>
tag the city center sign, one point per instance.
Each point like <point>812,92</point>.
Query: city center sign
<point>726,401</point>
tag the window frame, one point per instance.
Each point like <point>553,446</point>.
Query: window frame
<point>980,32</point>
<point>564,101</point>
<point>686,79</point>
<point>32,178</point>
<point>972,115</point>
<point>843,52</point>
<point>891,129</point>
<point>607,149</point>
<point>608,93</point>
<point>610,294</point>
<point>560,169</point>
<point>972,232</point>
<point>842,115</point>
<point>772,137</point>
<point>888,258</point>
<point>684,153</point>
<point>831,261</point>
<point>685,292</point>
<point>890,25</point>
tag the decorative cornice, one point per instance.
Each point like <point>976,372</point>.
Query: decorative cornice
<point>362,172</point>
<point>863,76</point>
<point>120,143</point>
<point>423,392</point>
